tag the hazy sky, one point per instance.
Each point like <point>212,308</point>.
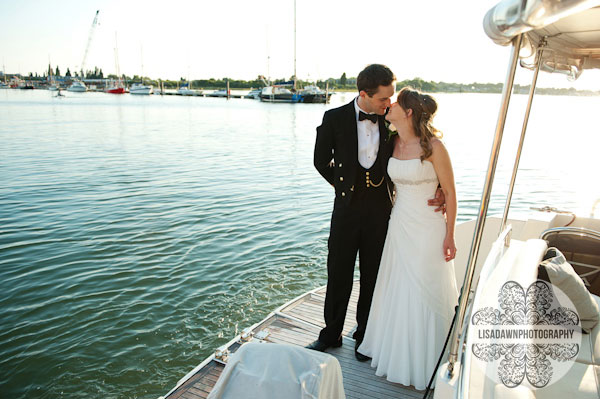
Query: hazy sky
<point>432,39</point>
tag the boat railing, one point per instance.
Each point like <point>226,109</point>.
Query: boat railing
<point>484,204</point>
<point>523,130</point>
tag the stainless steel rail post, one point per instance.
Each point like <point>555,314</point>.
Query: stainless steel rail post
<point>485,199</point>
<point>523,130</point>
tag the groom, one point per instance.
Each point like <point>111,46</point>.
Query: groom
<point>351,153</point>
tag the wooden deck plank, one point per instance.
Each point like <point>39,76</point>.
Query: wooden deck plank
<point>355,290</point>
<point>203,387</point>
<point>196,378</point>
<point>310,317</point>
<point>190,395</point>
<point>296,338</point>
<point>201,393</point>
<point>360,381</point>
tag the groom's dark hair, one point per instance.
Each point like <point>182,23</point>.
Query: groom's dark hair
<point>373,76</point>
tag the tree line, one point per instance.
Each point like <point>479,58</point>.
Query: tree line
<point>342,83</point>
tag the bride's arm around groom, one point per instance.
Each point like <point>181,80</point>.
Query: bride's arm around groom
<point>443,168</point>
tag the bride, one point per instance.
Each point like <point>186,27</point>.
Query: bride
<point>415,294</point>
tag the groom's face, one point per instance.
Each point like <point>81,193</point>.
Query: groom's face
<point>380,101</point>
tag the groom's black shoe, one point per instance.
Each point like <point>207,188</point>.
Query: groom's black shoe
<point>359,356</point>
<point>322,346</point>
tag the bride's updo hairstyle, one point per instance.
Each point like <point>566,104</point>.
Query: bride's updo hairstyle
<point>423,109</point>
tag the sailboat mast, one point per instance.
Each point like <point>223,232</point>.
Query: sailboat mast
<point>117,69</point>
<point>268,82</point>
<point>294,45</point>
<point>142,59</point>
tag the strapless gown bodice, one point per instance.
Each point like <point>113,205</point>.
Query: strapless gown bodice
<point>415,182</point>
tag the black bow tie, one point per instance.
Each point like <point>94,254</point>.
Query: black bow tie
<point>362,116</point>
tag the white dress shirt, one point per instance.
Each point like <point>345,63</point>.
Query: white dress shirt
<point>368,139</point>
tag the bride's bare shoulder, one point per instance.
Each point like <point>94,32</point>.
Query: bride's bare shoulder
<point>437,145</point>
<point>438,150</point>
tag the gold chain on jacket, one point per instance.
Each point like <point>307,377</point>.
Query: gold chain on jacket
<point>370,183</point>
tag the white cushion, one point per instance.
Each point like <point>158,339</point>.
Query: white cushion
<point>563,276</point>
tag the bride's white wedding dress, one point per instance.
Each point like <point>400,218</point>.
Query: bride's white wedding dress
<point>415,294</point>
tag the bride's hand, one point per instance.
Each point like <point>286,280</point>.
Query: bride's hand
<point>449,248</point>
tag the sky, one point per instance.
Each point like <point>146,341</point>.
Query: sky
<point>437,40</point>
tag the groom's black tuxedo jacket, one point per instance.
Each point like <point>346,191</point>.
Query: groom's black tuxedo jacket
<point>337,141</point>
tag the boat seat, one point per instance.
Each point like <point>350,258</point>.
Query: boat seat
<point>270,371</point>
<point>581,248</point>
<point>582,381</point>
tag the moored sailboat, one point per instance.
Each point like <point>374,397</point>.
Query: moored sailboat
<point>4,85</point>
<point>77,86</point>
<point>280,93</point>
<point>288,92</point>
<point>116,86</point>
<point>314,94</point>
<point>141,88</point>
<point>52,85</point>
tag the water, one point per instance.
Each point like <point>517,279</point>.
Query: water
<point>140,233</point>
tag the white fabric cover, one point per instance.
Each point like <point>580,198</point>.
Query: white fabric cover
<point>264,371</point>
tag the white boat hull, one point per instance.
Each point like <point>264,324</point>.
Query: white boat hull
<point>189,92</point>
<point>146,91</point>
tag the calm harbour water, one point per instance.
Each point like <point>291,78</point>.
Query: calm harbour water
<point>137,234</point>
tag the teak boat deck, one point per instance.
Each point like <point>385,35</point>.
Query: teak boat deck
<point>298,323</point>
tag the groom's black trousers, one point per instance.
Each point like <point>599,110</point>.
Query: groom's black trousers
<point>356,227</point>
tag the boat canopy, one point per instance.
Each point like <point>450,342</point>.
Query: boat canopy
<point>288,83</point>
<point>567,30</point>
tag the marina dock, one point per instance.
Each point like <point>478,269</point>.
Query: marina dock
<point>234,94</point>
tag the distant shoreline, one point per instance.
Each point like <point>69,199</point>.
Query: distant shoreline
<point>334,85</point>
<point>549,91</point>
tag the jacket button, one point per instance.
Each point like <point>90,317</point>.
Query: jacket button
<point>343,194</point>
<point>340,165</point>
<point>341,178</point>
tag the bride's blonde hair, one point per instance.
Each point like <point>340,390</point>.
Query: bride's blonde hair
<point>423,108</point>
